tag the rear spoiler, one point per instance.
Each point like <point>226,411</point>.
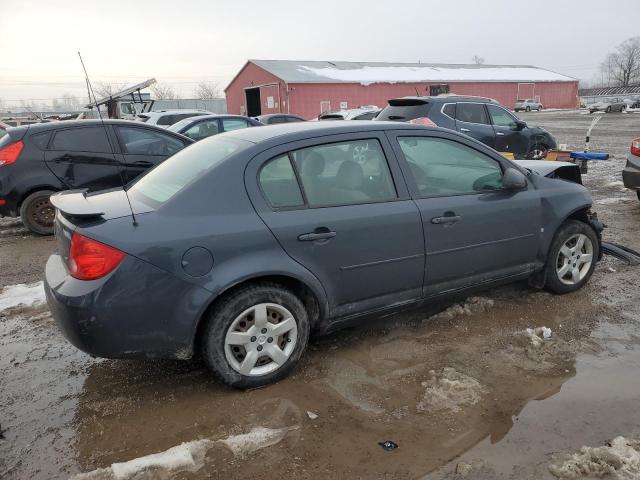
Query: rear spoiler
<point>74,203</point>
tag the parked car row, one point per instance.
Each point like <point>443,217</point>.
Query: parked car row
<point>611,105</point>
<point>246,242</point>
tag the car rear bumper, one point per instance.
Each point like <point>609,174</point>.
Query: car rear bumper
<point>137,311</point>
<point>631,173</point>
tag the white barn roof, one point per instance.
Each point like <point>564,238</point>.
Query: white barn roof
<point>366,73</point>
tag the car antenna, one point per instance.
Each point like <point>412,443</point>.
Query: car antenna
<point>90,88</point>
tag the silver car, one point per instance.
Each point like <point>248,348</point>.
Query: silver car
<point>527,105</point>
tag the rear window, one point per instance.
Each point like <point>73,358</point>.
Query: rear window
<point>174,174</point>
<point>404,110</point>
<point>5,139</point>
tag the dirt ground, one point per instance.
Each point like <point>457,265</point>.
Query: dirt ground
<point>465,393</point>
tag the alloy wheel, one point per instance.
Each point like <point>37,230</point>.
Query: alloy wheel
<point>574,259</point>
<point>261,339</point>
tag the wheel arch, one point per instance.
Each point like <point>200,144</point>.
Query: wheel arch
<point>314,301</point>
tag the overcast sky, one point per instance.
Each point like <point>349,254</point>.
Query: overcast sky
<point>183,42</point>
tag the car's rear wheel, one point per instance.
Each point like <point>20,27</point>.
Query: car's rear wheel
<point>37,213</point>
<point>608,109</point>
<point>572,257</point>
<point>528,109</point>
<point>255,336</point>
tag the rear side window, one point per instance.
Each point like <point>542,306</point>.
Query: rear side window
<point>143,141</point>
<point>471,113</point>
<point>449,110</point>
<point>41,140</point>
<point>84,139</point>
<point>230,124</point>
<point>167,120</point>
<point>404,110</point>
<point>344,173</point>
<point>279,185</point>
<point>203,129</point>
<point>274,120</point>
<point>177,172</point>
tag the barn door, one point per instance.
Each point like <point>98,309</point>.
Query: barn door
<point>253,101</point>
<point>526,90</point>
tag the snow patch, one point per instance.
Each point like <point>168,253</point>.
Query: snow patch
<point>22,294</point>
<point>369,74</point>
<point>451,390</point>
<point>537,335</point>
<point>618,460</point>
<point>610,201</point>
<point>259,437</point>
<point>186,457</point>
<point>470,306</point>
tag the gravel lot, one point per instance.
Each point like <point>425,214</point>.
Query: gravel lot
<point>464,393</point>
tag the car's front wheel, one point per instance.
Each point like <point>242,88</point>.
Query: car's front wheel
<point>537,152</point>
<point>572,257</point>
<point>37,213</point>
<point>255,336</point>
<point>528,109</point>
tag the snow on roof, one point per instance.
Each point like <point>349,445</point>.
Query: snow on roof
<point>366,73</point>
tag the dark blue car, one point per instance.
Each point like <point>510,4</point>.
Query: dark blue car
<point>242,244</point>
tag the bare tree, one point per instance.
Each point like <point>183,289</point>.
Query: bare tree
<point>622,67</point>
<point>163,92</point>
<point>106,89</point>
<point>477,60</point>
<point>207,91</point>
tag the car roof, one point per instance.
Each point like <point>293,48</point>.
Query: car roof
<point>178,110</point>
<point>270,115</point>
<point>45,126</point>
<point>300,130</point>
<point>448,98</point>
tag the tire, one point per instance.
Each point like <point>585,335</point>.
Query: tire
<point>528,109</point>
<point>238,313</point>
<point>638,194</point>
<point>537,152</point>
<point>37,213</point>
<point>539,108</point>
<point>557,261</point>
<point>608,109</point>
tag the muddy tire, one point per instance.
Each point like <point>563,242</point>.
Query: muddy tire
<point>37,213</point>
<point>572,257</point>
<point>255,336</point>
<point>537,152</point>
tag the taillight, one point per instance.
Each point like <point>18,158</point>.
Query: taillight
<point>635,147</point>
<point>423,121</point>
<point>10,153</point>
<point>90,259</point>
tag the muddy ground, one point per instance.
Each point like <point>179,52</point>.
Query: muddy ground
<point>464,393</point>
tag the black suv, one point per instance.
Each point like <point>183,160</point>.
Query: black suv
<point>480,118</point>
<point>40,159</point>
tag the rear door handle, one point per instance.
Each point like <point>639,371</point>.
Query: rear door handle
<point>446,219</point>
<point>465,130</point>
<point>313,236</point>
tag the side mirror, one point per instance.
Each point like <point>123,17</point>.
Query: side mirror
<point>520,125</point>
<point>514,180</point>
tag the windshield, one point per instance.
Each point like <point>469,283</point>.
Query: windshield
<point>175,173</point>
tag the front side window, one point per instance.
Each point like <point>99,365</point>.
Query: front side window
<point>274,120</point>
<point>344,173</point>
<point>84,139</point>
<point>500,117</point>
<point>279,185</point>
<point>471,113</point>
<point>230,124</point>
<point>203,129</point>
<point>443,167</point>
<point>142,141</point>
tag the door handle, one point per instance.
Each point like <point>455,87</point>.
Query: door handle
<point>500,134</point>
<point>465,130</point>
<point>446,219</point>
<point>317,234</point>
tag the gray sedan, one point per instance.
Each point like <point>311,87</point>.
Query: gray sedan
<point>241,245</point>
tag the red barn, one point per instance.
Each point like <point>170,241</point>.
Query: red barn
<point>310,88</point>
